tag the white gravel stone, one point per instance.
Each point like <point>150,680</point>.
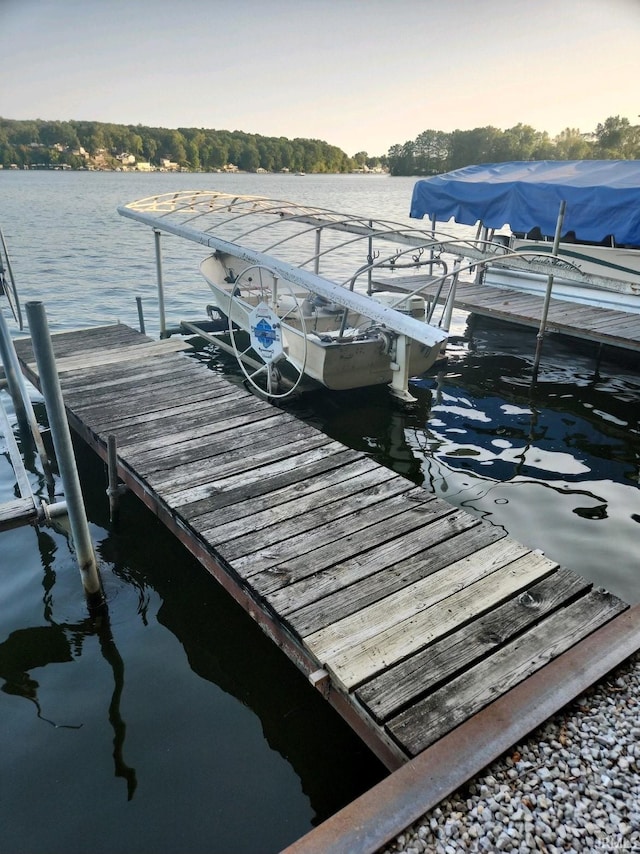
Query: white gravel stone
<point>573,786</point>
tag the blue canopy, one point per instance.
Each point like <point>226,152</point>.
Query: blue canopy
<point>602,196</point>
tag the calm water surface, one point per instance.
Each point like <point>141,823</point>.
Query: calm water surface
<point>175,725</point>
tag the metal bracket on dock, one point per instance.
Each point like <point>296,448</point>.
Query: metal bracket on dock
<point>49,512</point>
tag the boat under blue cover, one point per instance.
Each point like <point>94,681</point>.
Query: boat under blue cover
<point>602,197</point>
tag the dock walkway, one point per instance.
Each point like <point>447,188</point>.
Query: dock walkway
<point>409,615</point>
<point>588,323</point>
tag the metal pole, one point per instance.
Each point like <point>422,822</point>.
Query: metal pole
<point>22,479</point>
<point>21,400</point>
<point>114,491</point>
<point>16,298</point>
<point>61,436</point>
<point>140,315</point>
<point>316,260</point>
<point>433,237</point>
<point>370,261</point>
<point>547,296</point>
<point>161,314</point>
<point>447,313</point>
<point>12,372</point>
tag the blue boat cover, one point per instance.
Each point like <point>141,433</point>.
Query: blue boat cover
<point>602,197</point>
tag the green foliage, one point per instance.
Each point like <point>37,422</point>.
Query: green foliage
<point>37,142</point>
<point>82,144</point>
<point>434,152</point>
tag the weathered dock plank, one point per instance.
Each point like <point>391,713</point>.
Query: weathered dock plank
<point>412,607</point>
<point>465,695</point>
<point>180,493</point>
<point>194,500</point>
<point>601,325</point>
<point>103,383</point>
<point>87,340</point>
<point>350,586</point>
<point>132,353</point>
<point>231,492</point>
<point>178,452</point>
<point>400,685</point>
<point>314,487</point>
<point>17,511</point>
<point>298,506</point>
<point>336,536</point>
<point>355,651</point>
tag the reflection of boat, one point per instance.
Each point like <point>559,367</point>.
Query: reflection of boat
<point>281,315</point>
<point>597,260</point>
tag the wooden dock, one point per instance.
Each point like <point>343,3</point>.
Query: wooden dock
<point>409,615</point>
<point>588,323</point>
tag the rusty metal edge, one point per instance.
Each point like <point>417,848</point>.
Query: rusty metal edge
<point>382,813</point>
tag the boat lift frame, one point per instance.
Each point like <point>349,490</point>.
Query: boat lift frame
<point>394,320</point>
<point>182,215</point>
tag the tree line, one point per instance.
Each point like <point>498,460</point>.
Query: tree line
<point>434,152</point>
<point>73,143</point>
<point>79,144</point>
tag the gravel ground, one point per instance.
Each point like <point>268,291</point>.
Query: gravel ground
<point>573,786</point>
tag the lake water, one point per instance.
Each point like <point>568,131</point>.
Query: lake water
<point>176,725</point>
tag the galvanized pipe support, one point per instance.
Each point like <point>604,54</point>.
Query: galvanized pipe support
<point>61,435</point>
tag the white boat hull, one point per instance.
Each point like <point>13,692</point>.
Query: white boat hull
<point>592,278</point>
<point>615,263</point>
<point>311,335</point>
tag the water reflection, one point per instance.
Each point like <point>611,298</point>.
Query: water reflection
<point>366,420</point>
<point>35,647</point>
<point>555,462</point>
<point>226,648</point>
<point>202,718</point>
<point>111,655</point>
<point>27,649</point>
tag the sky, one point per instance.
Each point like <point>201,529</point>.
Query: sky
<point>363,75</point>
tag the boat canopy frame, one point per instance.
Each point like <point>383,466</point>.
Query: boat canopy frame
<point>198,216</point>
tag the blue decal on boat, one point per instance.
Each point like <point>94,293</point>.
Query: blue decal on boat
<point>265,333</point>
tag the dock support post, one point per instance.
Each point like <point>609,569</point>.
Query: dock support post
<point>161,313</point>
<point>316,257</point>
<point>22,480</point>
<point>547,296</point>
<point>447,315</point>
<point>433,238</point>
<point>140,315</point>
<point>114,490</point>
<point>62,444</point>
